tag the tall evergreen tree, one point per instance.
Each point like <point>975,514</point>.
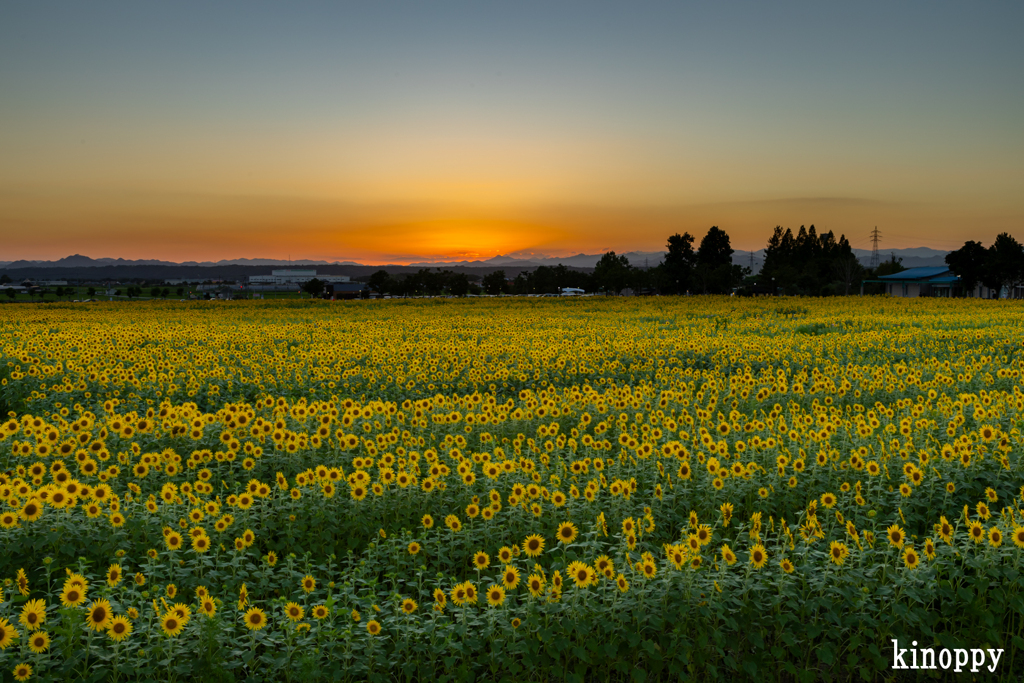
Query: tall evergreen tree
<point>679,263</point>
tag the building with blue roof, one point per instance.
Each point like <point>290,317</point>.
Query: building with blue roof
<point>929,281</point>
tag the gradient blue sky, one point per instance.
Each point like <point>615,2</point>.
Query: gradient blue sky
<point>389,132</point>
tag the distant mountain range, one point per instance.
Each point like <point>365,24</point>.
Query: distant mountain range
<point>79,261</point>
<point>912,258</point>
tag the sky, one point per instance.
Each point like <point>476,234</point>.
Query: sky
<point>395,132</point>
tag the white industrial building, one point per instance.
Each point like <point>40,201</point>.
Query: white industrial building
<point>293,277</point>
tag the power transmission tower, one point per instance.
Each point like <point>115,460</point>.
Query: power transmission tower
<point>875,236</point>
<point>751,261</point>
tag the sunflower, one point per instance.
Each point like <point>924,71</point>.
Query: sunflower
<point>294,611</point>
<point>758,556</point>
<point>604,565</point>
<point>173,540</point>
<point>208,607</point>
<point>39,642</point>
<point>22,581</point>
<point>427,521</point>
<point>308,583</point>
<point>566,532</point>
<point>976,531</point>
<point>114,574</point>
<point>495,595</point>
<point>171,624</point>
<point>471,594</point>
<point>440,600</point>
<point>1018,537</point>
<point>255,619</point>
<point>459,594</point>
<point>33,614</point>
<point>414,548</point>
<point>786,565</point>
<point>201,543</point>
<point>7,633</point>
<point>481,560</point>
<point>72,596</point>
<point>896,536</point>
<point>32,510</point>
<point>728,555</point>
<point>319,612</point>
<point>409,606</point>
<point>945,530</point>
<point>580,573</point>
<point>510,577</point>
<point>910,558</point>
<point>373,627</point>
<point>995,537</point>
<point>837,553</point>
<point>120,628</point>
<point>22,672</point>
<point>183,612</point>
<point>693,542</point>
<point>621,583</point>
<point>533,546</point>
<point>929,549</point>
<point>648,568</point>
<point>536,585</point>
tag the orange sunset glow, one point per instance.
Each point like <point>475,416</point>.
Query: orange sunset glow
<point>472,132</point>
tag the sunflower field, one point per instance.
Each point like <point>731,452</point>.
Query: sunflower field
<point>607,489</point>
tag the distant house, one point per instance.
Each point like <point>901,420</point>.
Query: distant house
<point>344,290</point>
<point>937,281</point>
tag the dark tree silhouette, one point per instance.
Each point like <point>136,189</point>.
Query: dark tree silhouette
<point>715,272</point>
<point>679,263</point>
<point>968,263</point>
<point>313,287</point>
<point>380,282</point>
<point>458,285</point>
<point>494,283</point>
<point>1005,263</point>
<point>808,263</point>
<point>612,273</point>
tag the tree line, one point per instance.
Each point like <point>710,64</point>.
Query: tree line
<point>999,266</point>
<point>795,263</point>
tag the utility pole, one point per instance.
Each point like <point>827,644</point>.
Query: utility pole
<point>875,236</point>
